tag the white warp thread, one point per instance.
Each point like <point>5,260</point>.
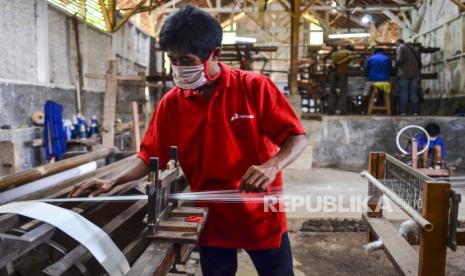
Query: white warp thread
<point>79,228</point>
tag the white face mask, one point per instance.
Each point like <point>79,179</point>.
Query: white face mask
<point>189,77</point>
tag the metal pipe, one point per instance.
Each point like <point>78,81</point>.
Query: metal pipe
<point>22,178</point>
<point>417,217</point>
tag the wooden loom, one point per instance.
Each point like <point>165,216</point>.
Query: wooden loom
<point>30,247</point>
<point>438,208</point>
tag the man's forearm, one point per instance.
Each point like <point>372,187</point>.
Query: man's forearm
<point>136,170</point>
<point>289,152</point>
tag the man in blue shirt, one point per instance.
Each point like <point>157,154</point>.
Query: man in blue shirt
<point>436,150</point>
<point>378,66</point>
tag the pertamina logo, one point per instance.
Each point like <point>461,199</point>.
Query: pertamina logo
<point>237,117</point>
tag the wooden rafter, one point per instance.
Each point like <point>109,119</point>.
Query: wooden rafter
<point>309,4</point>
<point>128,15</point>
<point>106,15</point>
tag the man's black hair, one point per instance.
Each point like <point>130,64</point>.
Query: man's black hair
<point>400,41</point>
<point>350,47</point>
<point>433,129</point>
<point>379,50</point>
<point>191,30</point>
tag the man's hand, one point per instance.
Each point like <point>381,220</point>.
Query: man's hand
<point>95,186</point>
<point>257,178</point>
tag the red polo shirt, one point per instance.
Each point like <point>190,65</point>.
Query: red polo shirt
<point>218,140</point>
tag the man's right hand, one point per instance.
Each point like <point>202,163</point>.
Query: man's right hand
<point>95,186</point>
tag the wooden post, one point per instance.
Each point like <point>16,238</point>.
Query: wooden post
<point>414,154</point>
<point>9,157</point>
<point>109,105</point>
<point>145,100</point>
<point>78,65</point>
<point>135,126</point>
<point>295,26</point>
<point>433,245</point>
<point>376,168</point>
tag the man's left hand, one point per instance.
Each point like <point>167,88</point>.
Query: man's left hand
<point>257,178</point>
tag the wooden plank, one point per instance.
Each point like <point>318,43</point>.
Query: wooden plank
<point>15,247</point>
<point>109,104</point>
<point>8,221</point>
<point>135,126</point>
<point>376,168</point>
<point>402,255</point>
<point>434,172</point>
<point>433,245</point>
<point>9,157</point>
<point>180,226</point>
<point>188,211</point>
<point>157,259</point>
<point>176,237</point>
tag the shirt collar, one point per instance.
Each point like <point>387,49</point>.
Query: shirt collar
<point>223,83</point>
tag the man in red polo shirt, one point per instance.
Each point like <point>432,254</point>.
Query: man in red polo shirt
<point>227,125</point>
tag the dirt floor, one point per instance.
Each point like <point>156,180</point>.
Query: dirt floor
<point>334,254</point>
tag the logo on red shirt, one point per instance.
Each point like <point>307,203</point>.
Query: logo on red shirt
<point>237,117</point>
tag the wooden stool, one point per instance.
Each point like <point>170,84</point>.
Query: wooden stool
<point>374,92</point>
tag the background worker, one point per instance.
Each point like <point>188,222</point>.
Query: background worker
<point>227,125</point>
<point>408,64</point>
<point>436,150</point>
<point>339,80</point>
<point>378,68</point>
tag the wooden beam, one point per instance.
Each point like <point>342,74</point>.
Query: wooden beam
<point>376,168</point>
<point>339,14</point>
<point>157,259</point>
<point>402,255</point>
<point>109,104</point>
<point>135,126</point>
<point>397,20</point>
<point>128,15</point>
<point>78,66</point>
<point>9,157</point>
<point>433,245</point>
<point>308,6</point>
<point>106,16</point>
<point>295,30</point>
<point>111,12</point>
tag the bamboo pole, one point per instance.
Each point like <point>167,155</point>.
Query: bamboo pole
<point>22,178</point>
<point>417,217</point>
<point>295,26</point>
